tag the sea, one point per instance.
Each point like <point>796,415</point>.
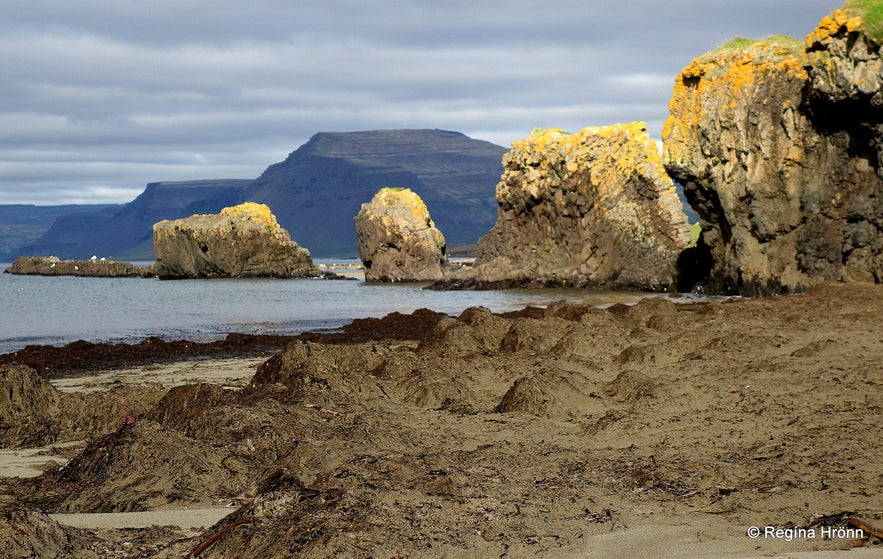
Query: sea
<point>37,310</point>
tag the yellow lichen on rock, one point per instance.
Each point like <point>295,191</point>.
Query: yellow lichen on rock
<point>832,25</point>
<point>730,75</point>
<point>398,240</point>
<point>764,137</point>
<point>402,197</point>
<point>590,208</point>
<point>254,212</point>
<point>238,241</point>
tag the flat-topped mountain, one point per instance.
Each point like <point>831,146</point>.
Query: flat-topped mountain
<point>315,193</point>
<point>318,189</point>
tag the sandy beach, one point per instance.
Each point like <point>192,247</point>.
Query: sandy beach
<point>652,430</point>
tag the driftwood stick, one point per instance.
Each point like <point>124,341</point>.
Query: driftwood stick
<point>217,536</point>
<point>863,525</point>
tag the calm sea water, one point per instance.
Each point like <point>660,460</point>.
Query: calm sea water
<point>59,310</point>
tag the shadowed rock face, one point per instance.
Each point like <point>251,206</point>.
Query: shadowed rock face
<point>398,241</point>
<point>594,208</point>
<point>777,145</point>
<point>240,241</point>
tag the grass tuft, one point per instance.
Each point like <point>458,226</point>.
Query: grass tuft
<point>790,44</point>
<point>871,12</point>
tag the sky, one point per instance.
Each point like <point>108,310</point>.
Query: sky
<point>100,97</point>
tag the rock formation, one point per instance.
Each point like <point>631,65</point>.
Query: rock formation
<point>240,241</point>
<point>594,208</point>
<point>398,240</point>
<point>125,232</point>
<point>99,268</point>
<point>778,146</point>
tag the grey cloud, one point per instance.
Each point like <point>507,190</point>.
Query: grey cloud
<point>99,98</point>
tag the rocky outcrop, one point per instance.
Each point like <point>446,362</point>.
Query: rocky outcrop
<point>126,232</point>
<point>240,241</point>
<point>398,240</point>
<point>99,268</point>
<point>778,146</point>
<point>594,208</point>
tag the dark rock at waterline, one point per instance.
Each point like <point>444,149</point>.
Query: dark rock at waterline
<point>100,268</point>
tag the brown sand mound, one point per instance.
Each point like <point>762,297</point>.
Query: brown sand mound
<point>33,534</point>
<point>33,413</point>
<point>721,416</point>
<point>548,394</point>
<point>140,467</point>
<point>28,408</point>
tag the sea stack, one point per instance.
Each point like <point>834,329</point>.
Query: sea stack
<point>240,241</point>
<point>590,209</point>
<point>777,144</point>
<point>398,240</point>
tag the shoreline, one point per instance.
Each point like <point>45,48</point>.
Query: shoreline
<point>81,357</point>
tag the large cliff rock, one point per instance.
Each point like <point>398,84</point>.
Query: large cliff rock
<point>594,208</point>
<point>778,146</point>
<point>240,241</point>
<point>398,240</point>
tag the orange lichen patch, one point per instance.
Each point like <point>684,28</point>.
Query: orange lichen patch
<point>254,212</point>
<point>831,25</point>
<point>729,74</point>
<point>573,147</point>
<point>550,159</point>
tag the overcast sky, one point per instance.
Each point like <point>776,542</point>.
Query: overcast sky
<point>101,97</point>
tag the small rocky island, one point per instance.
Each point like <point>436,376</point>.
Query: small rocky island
<point>95,267</point>
<point>238,242</point>
<point>398,241</point>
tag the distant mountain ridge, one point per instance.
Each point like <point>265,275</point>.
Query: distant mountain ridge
<point>21,224</point>
<point>314,193</point>
<point>126,232</point>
